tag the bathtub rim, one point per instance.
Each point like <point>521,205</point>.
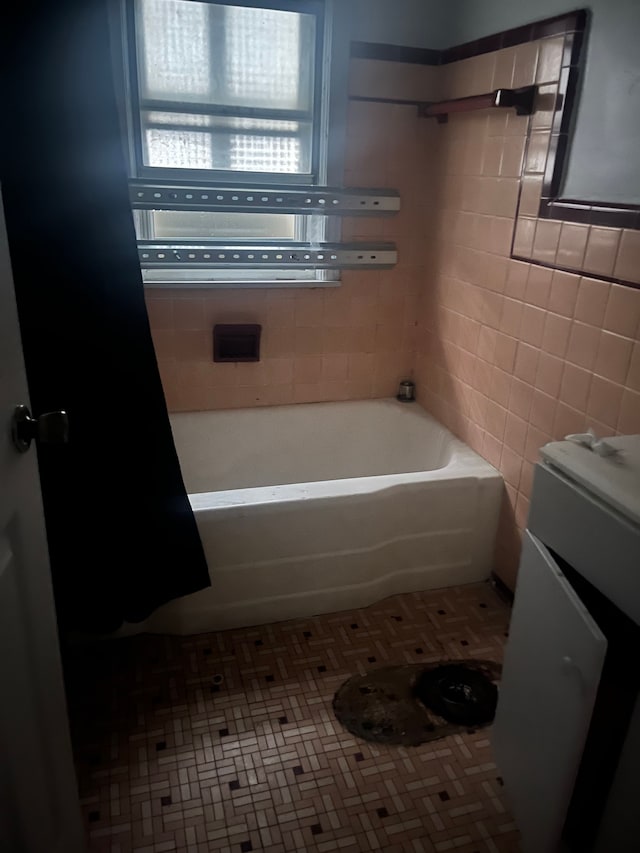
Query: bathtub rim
<point>461,462</point>
<point>465,464</point>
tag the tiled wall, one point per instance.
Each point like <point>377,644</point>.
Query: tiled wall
<point>352,342</point>
<point>511,355</point>
<point>507,354</point>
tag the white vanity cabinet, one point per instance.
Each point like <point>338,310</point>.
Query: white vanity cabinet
<point>566,736</point>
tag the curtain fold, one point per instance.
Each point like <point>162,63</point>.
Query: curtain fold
<point>122,536</point>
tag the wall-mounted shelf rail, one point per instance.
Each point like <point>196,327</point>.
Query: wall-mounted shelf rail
<point>215,255</point>
<point>148,195</point>
<point>522,100</point>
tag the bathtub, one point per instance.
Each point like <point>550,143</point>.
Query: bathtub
<point>320,507</point>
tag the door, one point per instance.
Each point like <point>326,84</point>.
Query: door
<point>39,810</point>
<point>550,678</point>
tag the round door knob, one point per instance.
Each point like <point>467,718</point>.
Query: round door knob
<point>50,428</point>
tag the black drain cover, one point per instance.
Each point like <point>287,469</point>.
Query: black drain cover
<point>458,693</point>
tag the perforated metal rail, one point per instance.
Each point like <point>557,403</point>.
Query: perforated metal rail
<point>158,255</point>
<point>283,199</point>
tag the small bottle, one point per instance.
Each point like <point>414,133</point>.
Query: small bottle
<point>406,391</point>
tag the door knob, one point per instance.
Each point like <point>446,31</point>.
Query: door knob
<point>50,428</point>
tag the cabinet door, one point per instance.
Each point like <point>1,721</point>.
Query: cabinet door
<point>552,667</point>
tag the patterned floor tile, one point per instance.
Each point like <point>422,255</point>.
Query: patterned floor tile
<point>227,741</point>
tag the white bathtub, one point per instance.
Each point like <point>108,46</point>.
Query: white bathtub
<point>320,507</point>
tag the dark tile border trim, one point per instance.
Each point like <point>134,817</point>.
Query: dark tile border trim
<point>552,206</point>
<point>573,26</point>
<point>405,102</point>
<point>598,213</point>
<point>582,273</point>
<point>560,25</point>
<point>395,53</point>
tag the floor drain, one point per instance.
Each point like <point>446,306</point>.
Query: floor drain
<point>458,693</point>
<point>412,704</point>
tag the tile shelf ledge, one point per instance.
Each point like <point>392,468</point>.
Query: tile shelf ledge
<point>522,100</point>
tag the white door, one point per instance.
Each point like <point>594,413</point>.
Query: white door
<point>39,809</point>
<point>552,668</point>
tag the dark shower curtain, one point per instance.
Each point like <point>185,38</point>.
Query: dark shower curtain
<point>122,537</point>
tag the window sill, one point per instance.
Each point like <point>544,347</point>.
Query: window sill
<point>241,285</point>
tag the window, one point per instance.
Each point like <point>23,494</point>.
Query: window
<point>224,95</point>
<point>225,88</point>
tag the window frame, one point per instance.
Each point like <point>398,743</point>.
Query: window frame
<point>333,32</point>
<point>138,169</point>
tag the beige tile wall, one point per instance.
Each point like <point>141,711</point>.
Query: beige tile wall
<point>352,342</point>
<point>511,355</point>
<point>507,354</point>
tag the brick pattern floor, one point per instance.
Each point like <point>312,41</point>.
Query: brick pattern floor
<point>227,741</point>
